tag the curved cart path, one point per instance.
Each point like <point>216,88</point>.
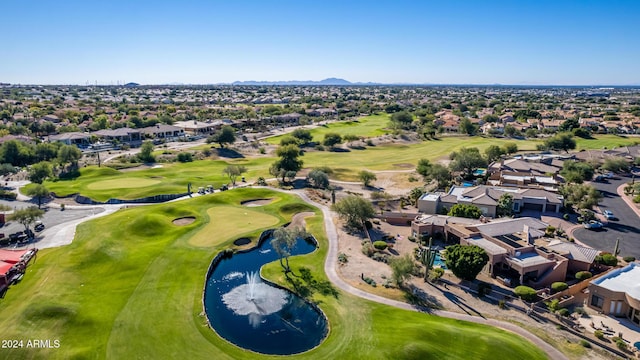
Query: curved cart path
<point>331,264</point>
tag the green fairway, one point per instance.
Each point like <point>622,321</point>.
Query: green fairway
<point>600,142</point>
<point>130,287</point>
<point>128,183</point>
<point>367,126</point>
<point>231,222</point>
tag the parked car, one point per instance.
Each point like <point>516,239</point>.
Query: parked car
<point>609,175</point>
<point>593,225</point>
<point>609,215</point>
<point>599,178</point>
<point>39,226</point>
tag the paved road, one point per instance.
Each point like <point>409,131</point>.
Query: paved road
<point>627,227</point>
<point>331,264</point>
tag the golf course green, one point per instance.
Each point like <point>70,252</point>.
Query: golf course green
<point>130,287</point>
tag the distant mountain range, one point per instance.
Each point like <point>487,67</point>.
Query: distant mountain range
<point>329,81</point>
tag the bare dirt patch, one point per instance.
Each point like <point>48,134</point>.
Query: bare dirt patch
<point>184,220</point>
<point>256,202</point>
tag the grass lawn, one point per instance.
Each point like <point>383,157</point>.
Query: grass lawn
<point>606,141</point>
<point>130,287</point>
<point>367,126</point>
<point>104,183</point>
<point>236,221</point>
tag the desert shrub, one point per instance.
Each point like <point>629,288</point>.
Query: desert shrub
<point>367,248</point>
<point>629,259</point>
<point>636,199</point>
<point>382,257</point>
<point>380,245</point>
<point>579,310</point>
<point>582,275</point>
<point>599,334</point>
<point>559,286</point>
<point>621,344</point>
<point>585,343</point>
<point>343,258</point>
<point>566,217</point>
<point>435,274</point>
<point>369,281</point>
<point>525,293</point>
<point>502,304</point>
<point>563,312</point>
<point>370,142</point>
<point>185,157</point>
<point>607,259</point>
<point>549,231</point>
<point>261,181</point>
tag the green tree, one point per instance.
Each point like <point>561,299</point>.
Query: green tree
<point>349,138</point>
<point>505,205</point>
<point>580,196</point>
<point>510,148</point>
<point>318,178</point>
<point>366,177</point>
<point>39,172</point>
<point>466,262</point>
<point>402,268</point>
<point>354,210</point>
<point>576,171</point>
<point>233,171</point>
<point>27,216</point>
<point>467,127</point>
<point>415,194</point>
<point>39,192</point>
<point>303,135</point>
<point>226,135</point>
<point>424,168</point>
<point>493,153</point>
<point>509,130</point>
<point>284,241</point>
<point>467,160</point>
<point>289,140</point>
<point>332,139</point>
<point>146,152</point>
<point>288,161</point>
<point>615,164</point>
<point>70,154</point>
<point>561,141</point>
<point>401,120</point>
<point>441,174</point>
<point>465,211</point>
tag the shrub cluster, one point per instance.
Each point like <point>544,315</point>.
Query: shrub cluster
<point>559,286</point>
<point>525,293</point>
<point>380,245</point>
<point>582,275</point>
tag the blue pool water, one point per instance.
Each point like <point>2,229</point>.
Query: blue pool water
<point>439,261</point>
<point>258,316</point>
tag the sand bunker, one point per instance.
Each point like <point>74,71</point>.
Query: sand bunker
<point>256,202</point>
<point>184,220</point>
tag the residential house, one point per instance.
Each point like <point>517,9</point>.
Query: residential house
<point>203,128</point>
<point>123,135</point>
<point>163,131</point>
<point>617,293</point>
<point>486,198</point>
<point>72,138</point>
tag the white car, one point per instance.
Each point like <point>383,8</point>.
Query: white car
<point>609,215</point>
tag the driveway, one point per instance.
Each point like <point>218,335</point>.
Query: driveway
<point>626,228</point>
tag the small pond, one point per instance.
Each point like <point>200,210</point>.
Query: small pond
<point>256,315</point>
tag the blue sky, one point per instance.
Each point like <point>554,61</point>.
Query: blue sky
<point>443,42</point>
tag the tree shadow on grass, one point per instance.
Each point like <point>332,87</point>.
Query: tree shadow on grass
<point>306,285</point>
<point>229,153</point>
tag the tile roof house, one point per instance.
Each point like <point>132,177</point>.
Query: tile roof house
<point>486,199</point>
<point>518,251</point>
